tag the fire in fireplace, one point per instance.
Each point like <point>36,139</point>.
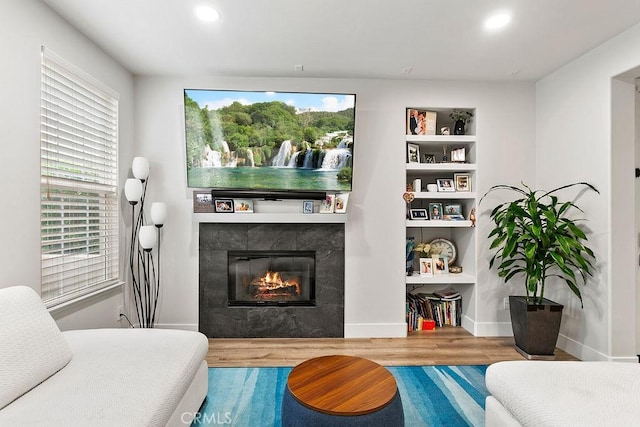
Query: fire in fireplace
<point>271,278</point>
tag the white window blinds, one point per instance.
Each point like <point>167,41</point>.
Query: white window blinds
<point>79,188</point>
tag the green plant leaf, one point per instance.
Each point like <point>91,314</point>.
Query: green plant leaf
<point>498,241</point>
<point>574,288</point>
<point>576,231</point>
<point>509,248</point>
<point>530,250</point>
<point>564,243</point>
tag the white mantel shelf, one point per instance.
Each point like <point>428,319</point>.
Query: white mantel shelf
<point>270,218</point>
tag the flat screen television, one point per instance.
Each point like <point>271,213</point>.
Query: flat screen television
<point>253,142</point>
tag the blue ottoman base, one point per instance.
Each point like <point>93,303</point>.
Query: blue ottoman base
<point>295,414</point>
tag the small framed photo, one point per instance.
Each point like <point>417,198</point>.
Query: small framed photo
<point>418,214</point>
<point>440,265</point>
<point>459,155</point>
<point>463,181</point>
<point>328,204</point>
<point>435,210</point>
<point>426,266</point>
<point>453,211</point>
<point>243,205</point>
<point>224,205</point>
<point>202,202</point>
<point>428,158</point>
<point>421,122</point>
<point>341,202</point>
<point>445,184</point>
<point>413,153</point>
<point>307,207</point>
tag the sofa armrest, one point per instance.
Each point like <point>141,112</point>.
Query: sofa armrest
<point>33,348</point>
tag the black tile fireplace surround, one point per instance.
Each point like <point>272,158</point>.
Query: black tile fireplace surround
<point>219,320</point>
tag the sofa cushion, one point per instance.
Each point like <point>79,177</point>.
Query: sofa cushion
<point>567,393</point>
<point>117,377</point>
<point>33,348</point>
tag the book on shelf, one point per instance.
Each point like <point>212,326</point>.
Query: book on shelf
<point>424,311</point>
<point>447,293</point>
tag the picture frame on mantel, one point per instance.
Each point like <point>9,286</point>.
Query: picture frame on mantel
<point>307,207</point>
<point>203,202</point>
<point>223,205</point>
<point>328,204</point>
<point>342,199</point>
<point>243,205</point>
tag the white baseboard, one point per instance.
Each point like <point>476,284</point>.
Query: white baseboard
<point>587,353</point>
<point>493,329</point>
<point>375,330</point>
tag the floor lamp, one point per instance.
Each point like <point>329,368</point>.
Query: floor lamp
<point>144,266</point>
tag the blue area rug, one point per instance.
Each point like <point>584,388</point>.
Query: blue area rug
<point>431,396</point>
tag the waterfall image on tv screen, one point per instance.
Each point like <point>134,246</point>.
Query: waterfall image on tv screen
<point>249,140</point>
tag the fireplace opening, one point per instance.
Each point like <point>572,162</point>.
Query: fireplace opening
<point>271,278</point>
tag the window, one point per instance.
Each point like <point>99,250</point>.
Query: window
<point>79,188</point>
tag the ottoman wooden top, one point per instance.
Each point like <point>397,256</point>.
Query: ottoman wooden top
<point>342,385</point>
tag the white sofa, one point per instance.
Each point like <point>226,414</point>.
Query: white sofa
<point>99,377</point>
<point>550,393</point>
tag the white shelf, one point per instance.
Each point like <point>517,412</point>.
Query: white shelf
<point>441,167</point>
<point>441,279</point>
<point>442,139</point>
<point>425,223</point>
<point>269,218</point>
<point>459,195</point>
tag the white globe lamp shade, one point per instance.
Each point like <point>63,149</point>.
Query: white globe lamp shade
<point>159,213</point>
<point>147,237</point>
<point>133,190</point>
<point>140,168</point>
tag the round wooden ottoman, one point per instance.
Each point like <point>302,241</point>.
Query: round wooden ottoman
<point>341,391</point>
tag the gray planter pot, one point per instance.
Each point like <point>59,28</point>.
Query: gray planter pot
<point>535,326</point>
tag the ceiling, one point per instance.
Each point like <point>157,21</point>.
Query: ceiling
<point>434,39</point>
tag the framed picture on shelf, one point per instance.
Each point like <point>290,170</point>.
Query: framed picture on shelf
<point>453,211</point>
<point>429,158</point>
<point>445,184</point>
<point>440,265</point>
<point>462,181</point>
<point>243,205</point>
<point>341,202</point>
<point>435,210</point>
<point>328,204</point>
<point>202,202</point>
<point>418,214</point>
<point>458,155</point>
<point>426,266</point>
<point>224,205</point>
<point>421,122</point>
<point>307,207</point>
<point>413,153</point>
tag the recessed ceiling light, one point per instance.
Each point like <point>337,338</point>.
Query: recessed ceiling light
<point>496,21</point>
<point>207,13</point>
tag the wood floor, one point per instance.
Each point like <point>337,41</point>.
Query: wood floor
<point>444,346</point>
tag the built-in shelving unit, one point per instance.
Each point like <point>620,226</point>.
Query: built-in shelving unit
<point>431,166</point>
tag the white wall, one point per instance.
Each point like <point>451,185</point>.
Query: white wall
<point>576,139</point>
<point>24,27</point>
<point>375,290</point>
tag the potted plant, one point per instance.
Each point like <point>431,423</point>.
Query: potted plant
<point>535,239</point>
<point>460,119</point>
